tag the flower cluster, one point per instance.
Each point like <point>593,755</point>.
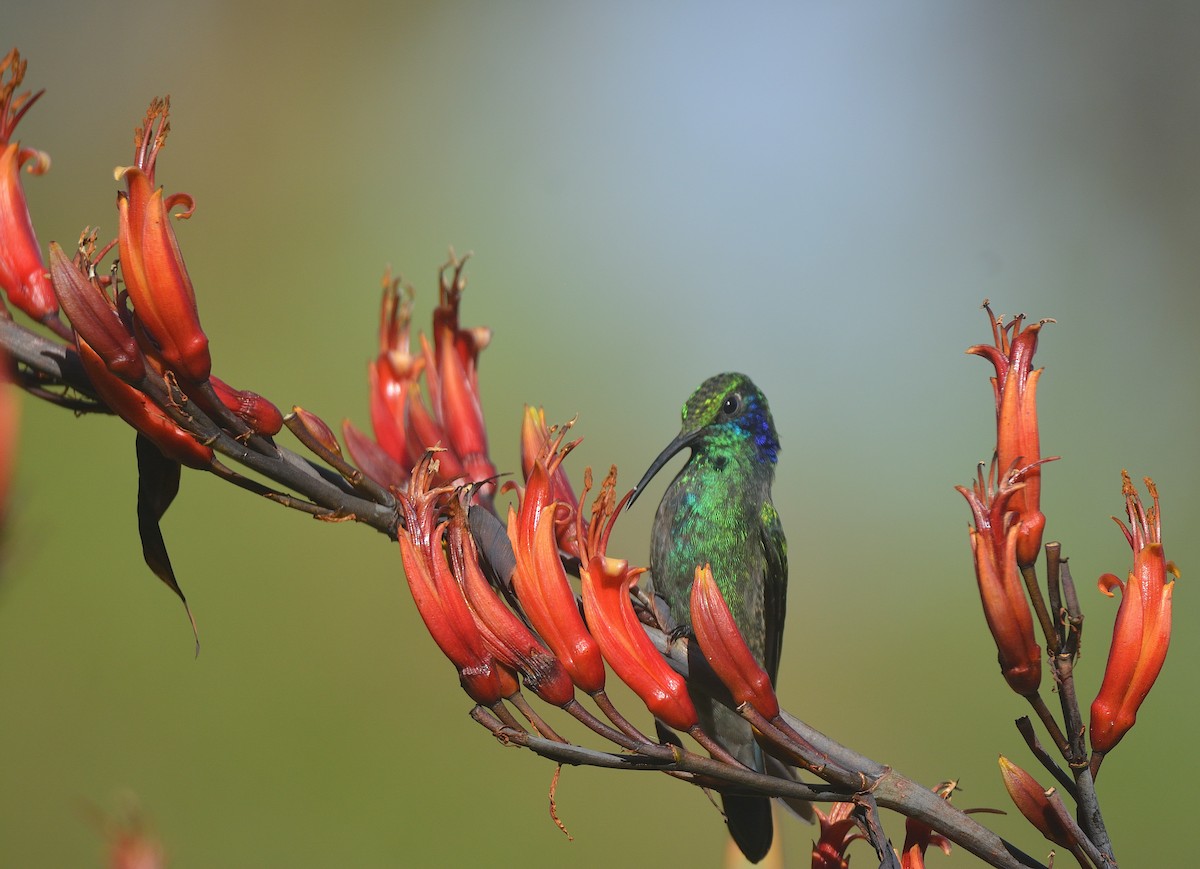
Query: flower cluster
<point>143,347</point>
<point>1006,540</point>
<point>452,421</point>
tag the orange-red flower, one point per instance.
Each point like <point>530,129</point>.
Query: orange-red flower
<point>1015,388</point>
<point>606,583</point>
<point>94,315</point>
<point>538,440</point>
<point>452,379</point>
<point>838,831</point>
<point>726,649</point>
<point>258,413</point>
<point>918,835</point>
<point>113,362</point>
<point>439,598</point>
<point>542,588</point>
<point>994,542</point>
<point>1142,631</point>
<point>23,274</point>
<point>1031,799</point>
<point>393,375</point>
<point>156,278</point>
<point>508,638</point>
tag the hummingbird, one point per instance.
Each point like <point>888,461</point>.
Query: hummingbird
<point>718,511</point>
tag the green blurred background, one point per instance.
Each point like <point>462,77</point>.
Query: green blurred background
<point>818,194</point>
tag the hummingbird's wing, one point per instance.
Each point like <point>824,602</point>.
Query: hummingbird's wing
<point>774,586</point>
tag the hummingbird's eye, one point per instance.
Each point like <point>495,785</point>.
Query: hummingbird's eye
<point>731,405</point>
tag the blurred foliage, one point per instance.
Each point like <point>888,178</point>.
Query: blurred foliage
<point>817,194</point>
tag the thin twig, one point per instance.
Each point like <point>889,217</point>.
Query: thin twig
<point>1025,726</point>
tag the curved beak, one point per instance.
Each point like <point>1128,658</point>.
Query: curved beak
<point>685,439</point>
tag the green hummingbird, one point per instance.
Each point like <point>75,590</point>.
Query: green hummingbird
<point>718,511</point>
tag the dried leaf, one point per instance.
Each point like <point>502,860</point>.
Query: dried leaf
<point>158,484</point>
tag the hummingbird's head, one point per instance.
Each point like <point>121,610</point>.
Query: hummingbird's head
<point>727,412</point>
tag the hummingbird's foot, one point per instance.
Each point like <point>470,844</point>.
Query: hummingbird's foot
<point>682,632</point>
<point>666,735</point>
<point>662,614</point>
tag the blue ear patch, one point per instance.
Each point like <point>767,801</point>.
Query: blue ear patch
<point>756,422</point>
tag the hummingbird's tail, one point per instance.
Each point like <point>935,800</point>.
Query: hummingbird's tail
<point>748,817</point>
<point>750,825</point>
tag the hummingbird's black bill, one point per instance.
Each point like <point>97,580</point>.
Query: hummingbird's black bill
<point>685,439</point>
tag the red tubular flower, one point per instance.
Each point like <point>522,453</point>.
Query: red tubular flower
<point>838,831</point>
<point>438,597</point>
<point>726,650</point>
<point>451,373</point>
<point>394,371</point>
<point>155,275</point>
<point>94,316</point>
<point>468,343</point>
<point>623,642</point>
<point>141,413</point>
<point>463,416</point>
<point>23,273</point>
<point>112,361</point>
<point>542,588</point>
<point>1015,388</point>
<point>371,458</point>
<point>918,835</point>
<point>504,633</point>
<point>1142,631</point>
<point>1030,798</point>
<point>424,430</point>
<point>994,542</point>
<point>539,440</point>
<point>261,415</point>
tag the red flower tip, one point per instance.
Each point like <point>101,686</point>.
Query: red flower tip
<point>725,649</point>
<point>13,106</point>
<point>151,263</point>
<point>317,429</point>
<point>994,542</point>
<point>1032,800</point>
<point>453,419</point>
<point>542,588</point>
<point>447,329</point>
<point>918,835</point>
<point>258,413</point>
<point>394,372</point>
<point>838,830</point>
<point>540,441</point>
<point>1142,632</point>
<point>462,416</point>
<point>1015,390</point>
<point>94,316</point>
<point>436,592</point>
<point>372,459</point>
<point>505,635</point>
<point>23,273</point>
